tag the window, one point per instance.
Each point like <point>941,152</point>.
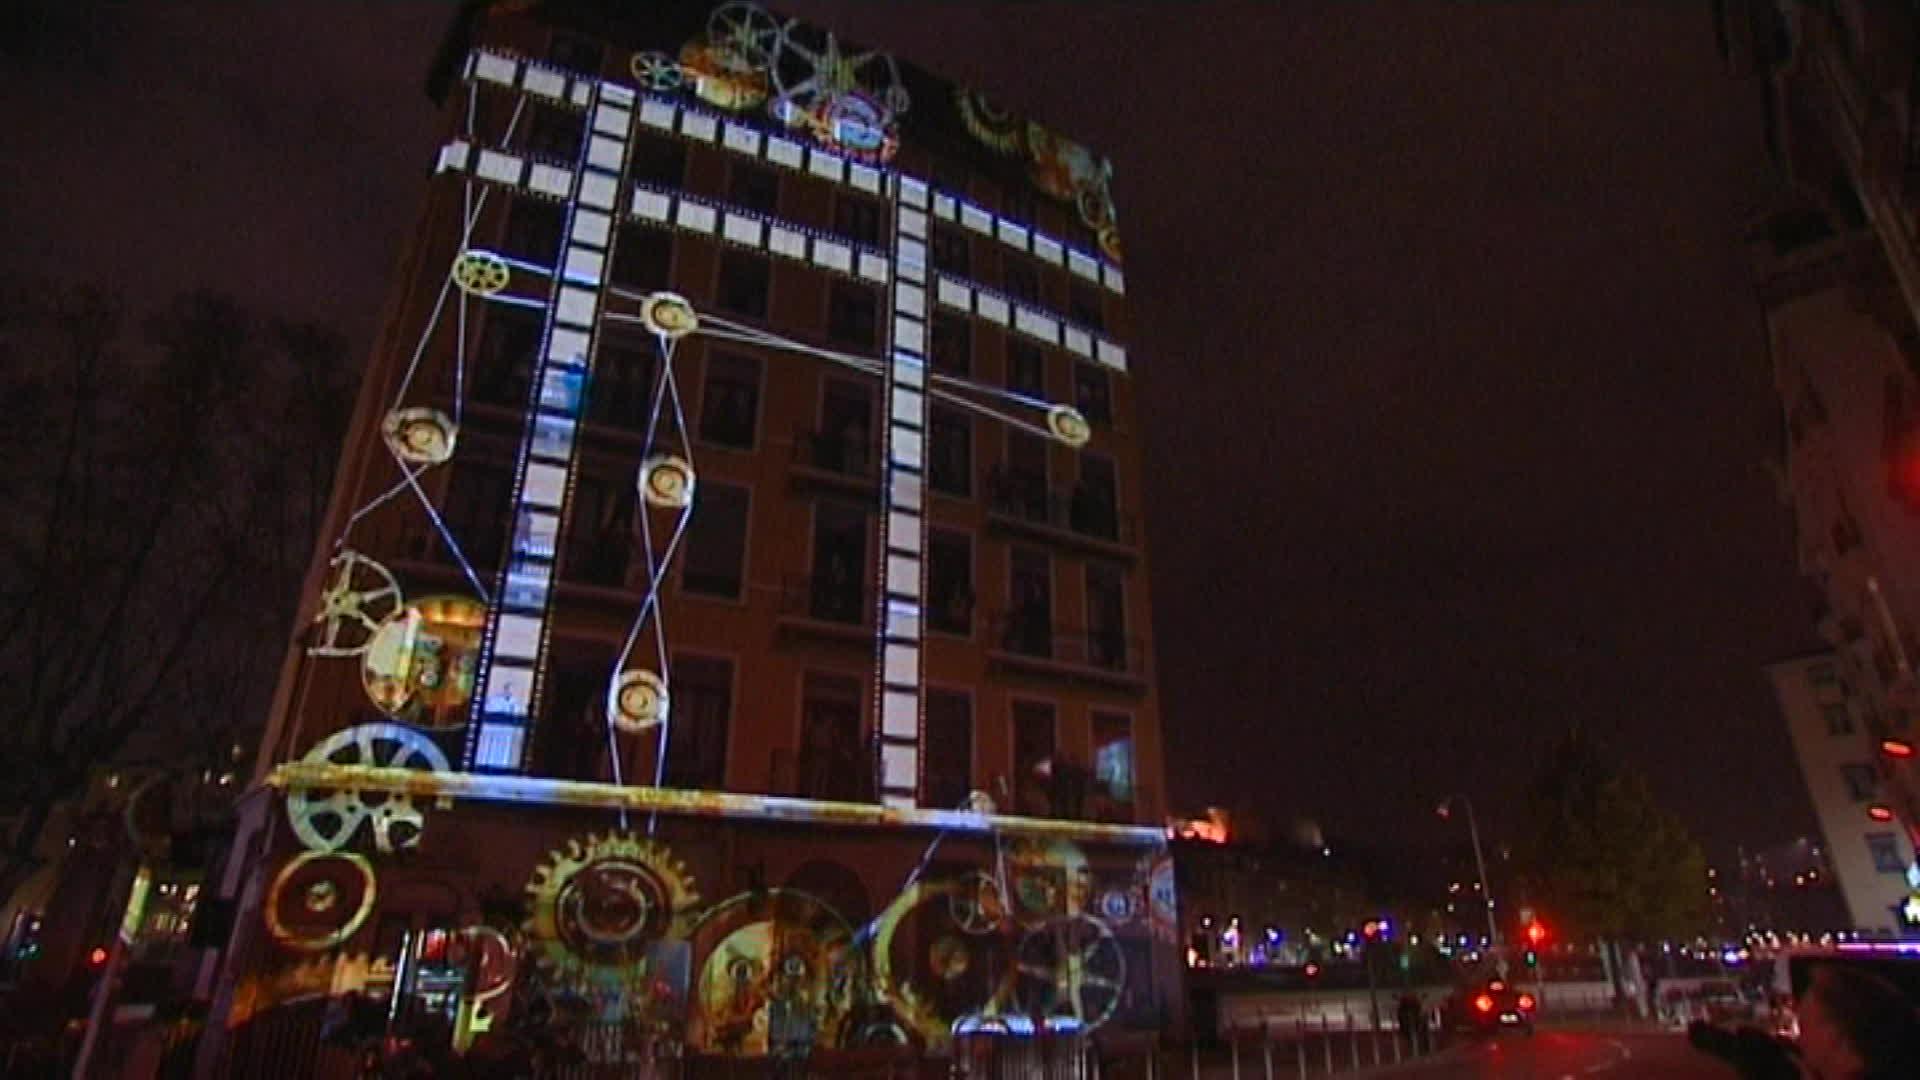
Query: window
<point>479,495</point>
<point>1839,720</point>
<point>1113,763</point>
<point>754,188</point>
<point>658,161</point>
<point>1106,618</point>
<point>857,219</point>
<point>1021,278</point>
<point>1029,627</point>
<point>533,230</point>
<point>949,582</point>
<point>730,401</point>
<point>1033,746</point>
<point>509,338</point>
<point>549,131</point>
<point>1083,306</point>
<point>1096,505</point>
<point>950,251</point>
<point>577,54</point>
<point>844,443</point>
<point>600,536</point>
<point>620,393</point>
<point>1093,393</point>
<point>744,280</point>
<point>1026,368</point>
<point>950,453</point>
<point>643,260</point>
<point>571,741</point>
<point>1021,489</point>
<point>1886,853</point>
<point>853,313</point>
<point>832,765</point>
<point>715,550</point>
<point>702,693</point>
<point>952,344</point>
<point>1861,781</point>
<point>838,593</point>
<point>946,776</point>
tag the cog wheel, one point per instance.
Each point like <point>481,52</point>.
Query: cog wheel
<point>747,31</point>
<point>762,945</point>
<point>419,668</point>
<point>669,315</point>
<point>977,904</point>
<point>934,962</point>
<point>599,904</point>
<point>657,71</point>
<point>809,71</point>
<point>1069,426</point>
<point>479,272</point>
<point>325,820</point>
<point>359,595</point>
<point>419,436</point>
<point>987,121</point>
<point>1110,243</point>
<point>1071,967</point>
<point>637,701</point>
<point>318,899</point>
<point>666,481</point>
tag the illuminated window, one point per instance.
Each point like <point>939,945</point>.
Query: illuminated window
<point>1106,618</point>
<point>1084,306</point>
<point>838,591</point>
<point>1033,753</point>
<point>1885,850</point>
<point>952,344</point>
<point>853,314</point>
<point>949,582</point>
<point>947,769</point>
<point>643,259</point>
<point>1113,763</point>
<point>1861,781</point>
<point>657,161</point>
<point>715,550</point>
<point>730,401</point>
<point>832,763</point>
<point>533,230</point>
<point>620,394</point>
<point>1839,720</point>
<point>753,187</point>
<point>702,688</point>
<point>548,131</point>
<point>950,453</point>
<point>857,219</point>
<point>950,254</point>
<point>1026,368</point>
<point>744,281</point>
<point>1093,393</point>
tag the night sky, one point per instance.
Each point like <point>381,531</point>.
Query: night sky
<point>1454,384</point>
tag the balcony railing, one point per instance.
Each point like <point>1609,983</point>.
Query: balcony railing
<point>1027,640</point>
<point>1081,512</point>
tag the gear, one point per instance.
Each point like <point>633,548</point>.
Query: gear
<point>767,944</point>
<point>810,72</point>
<point>987,121</point>
<point>419,436</point>
<point>934,961</point>
<point>744,30</point>
<point>480,273</point>
<point>358,596</point>
<point>419,668</point>
<point>1071,967</point>
<point>318,899</point>
<point>657,71</point>
<point>326,820</point>
<point>597,906</point>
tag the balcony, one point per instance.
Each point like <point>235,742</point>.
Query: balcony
<point>1077,517</point>
<point>836,462</point>
<point>814,607</point>
<point>1025,643</point>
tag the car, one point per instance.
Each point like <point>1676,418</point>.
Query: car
<point>1492,1007</point>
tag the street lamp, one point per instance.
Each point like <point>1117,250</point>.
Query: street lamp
<point>1445,810</point>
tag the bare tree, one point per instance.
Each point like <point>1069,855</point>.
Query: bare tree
<point>162,492</point>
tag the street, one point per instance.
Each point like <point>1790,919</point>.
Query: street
<point>1554,1055</point>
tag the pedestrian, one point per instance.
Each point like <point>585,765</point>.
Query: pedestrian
<point>1412,1018</point>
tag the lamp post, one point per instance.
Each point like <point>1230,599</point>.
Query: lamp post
<point>1445,810</point>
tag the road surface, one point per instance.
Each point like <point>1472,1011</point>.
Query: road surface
<point>1570,1055</point>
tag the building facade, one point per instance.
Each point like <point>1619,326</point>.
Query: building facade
<point>1867,859</point>
<point>733,610</point>
<point>1838,276</point>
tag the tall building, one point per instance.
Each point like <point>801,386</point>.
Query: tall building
<point>732,613</point>
<point>1838,275</point>
<point>1868,858</point>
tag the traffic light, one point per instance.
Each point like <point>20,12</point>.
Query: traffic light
<point>1532,958</point>
<point>97,958</point>
<point>1536,933</point>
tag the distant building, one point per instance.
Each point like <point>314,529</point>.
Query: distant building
<point>1868,859</point>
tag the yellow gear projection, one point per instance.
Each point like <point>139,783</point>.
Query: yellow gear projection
<point>318,899</point>
<point>762,945</point>
<point>940,953</point>
<point>1047,879</point>
<point>419,668</point>
<point>598,905</point>
<point>359,595</point>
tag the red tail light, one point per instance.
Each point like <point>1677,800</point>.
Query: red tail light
<point>1496,986</point>
<point>1526,1002</point>
<point>1483,1003</point>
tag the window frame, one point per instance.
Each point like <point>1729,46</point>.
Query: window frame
<point>734,257</point>
<point>707,367</point>
<point>966,536</point>
<point>973,742</point>
<point>746,549</point>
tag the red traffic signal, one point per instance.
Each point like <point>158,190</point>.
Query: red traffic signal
<point>1536,933</point>
<point>1311,970</point>
<point>97,958</point>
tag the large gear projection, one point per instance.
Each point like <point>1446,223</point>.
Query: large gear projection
<point>767,944</point>
<point>325,820</point>
<point>318,899</point>
<point>940,952</point>
<point>597,906</point>
<point>1071,967</point>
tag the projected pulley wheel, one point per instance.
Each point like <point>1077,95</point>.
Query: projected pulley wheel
<point>419,436</point>
<point>936,958</point>
<point>359,595</point>
<point>480,273</point>
<point>637,701</point>
<point>1068,425</point>
<point>666,481</point>
<point>326,819</point>
<point>668,315</point>
<point>656,71</point>
<point>1070,967</point>
<point>319,899</point>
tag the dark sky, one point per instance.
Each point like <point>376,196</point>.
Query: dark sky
<point>1454,387</point>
